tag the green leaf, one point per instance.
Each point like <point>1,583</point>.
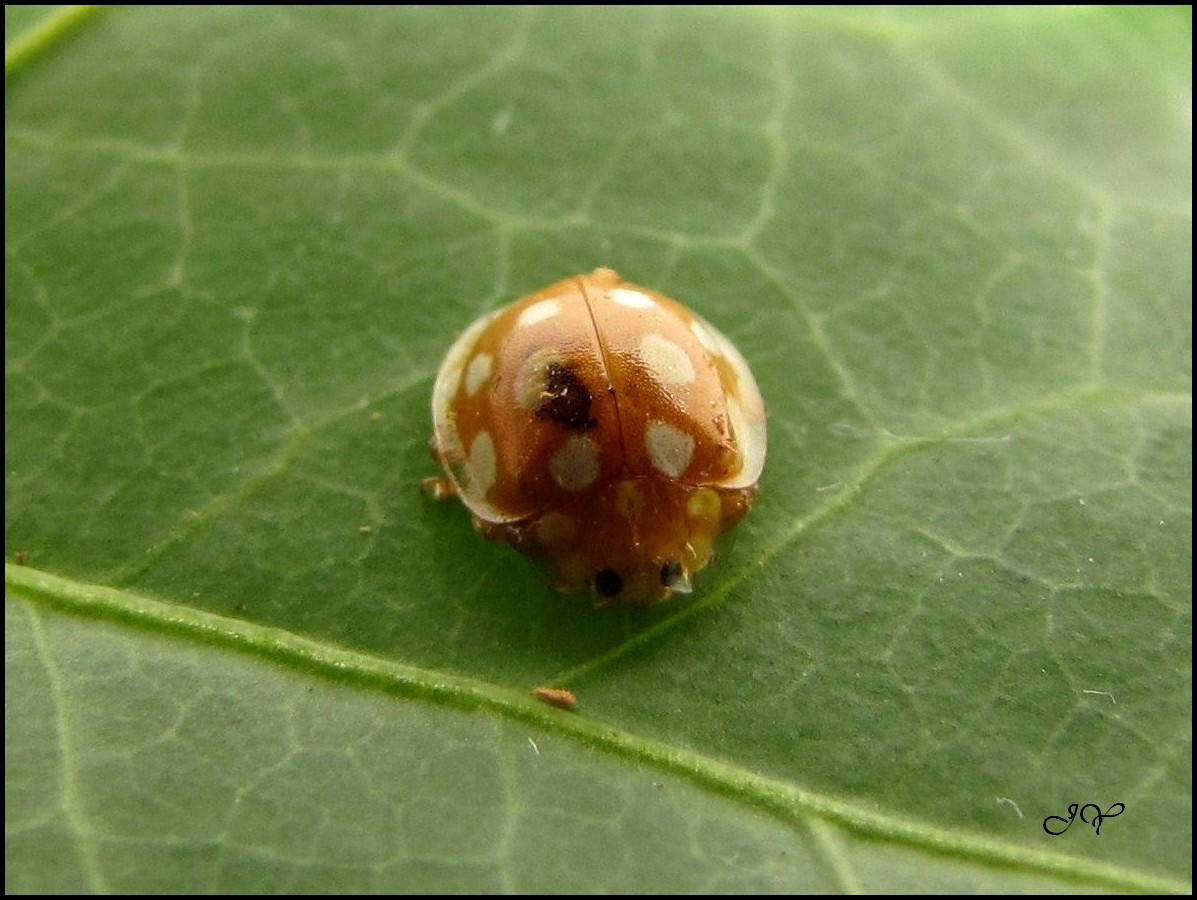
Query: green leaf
<point>244,654</point>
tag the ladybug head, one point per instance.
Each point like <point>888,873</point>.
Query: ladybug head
<point>633,543</point>
<point>641,584</point>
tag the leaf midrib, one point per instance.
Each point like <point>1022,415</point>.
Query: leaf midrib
<point>789,803</point>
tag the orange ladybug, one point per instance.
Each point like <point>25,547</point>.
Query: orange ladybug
<point>603,427</point>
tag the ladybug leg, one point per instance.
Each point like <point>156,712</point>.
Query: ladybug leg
<point>438,488</point>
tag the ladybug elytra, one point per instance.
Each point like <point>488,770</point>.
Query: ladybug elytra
<point>602,427</point>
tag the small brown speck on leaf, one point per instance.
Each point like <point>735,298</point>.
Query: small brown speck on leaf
<point>562,698</point>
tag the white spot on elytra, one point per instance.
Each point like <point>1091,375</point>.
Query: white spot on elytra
<point>703,332</point>
<point>482,461</point>
<point>634,299</point>
<point>735,418</point>
<point>750,442</point>
<point>478,372</point>
<point>448,381</point>
<point>747,384</point>
<point>666,360</point>
<point>538,312</point>
<point>531,379</point>
<point>744,388</point>
<point>576,465</point>
<point>452,370</point>
<point>669,448</point>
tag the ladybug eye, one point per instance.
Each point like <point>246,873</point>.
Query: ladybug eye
<point>608,583</point>
<point>675,577</point>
